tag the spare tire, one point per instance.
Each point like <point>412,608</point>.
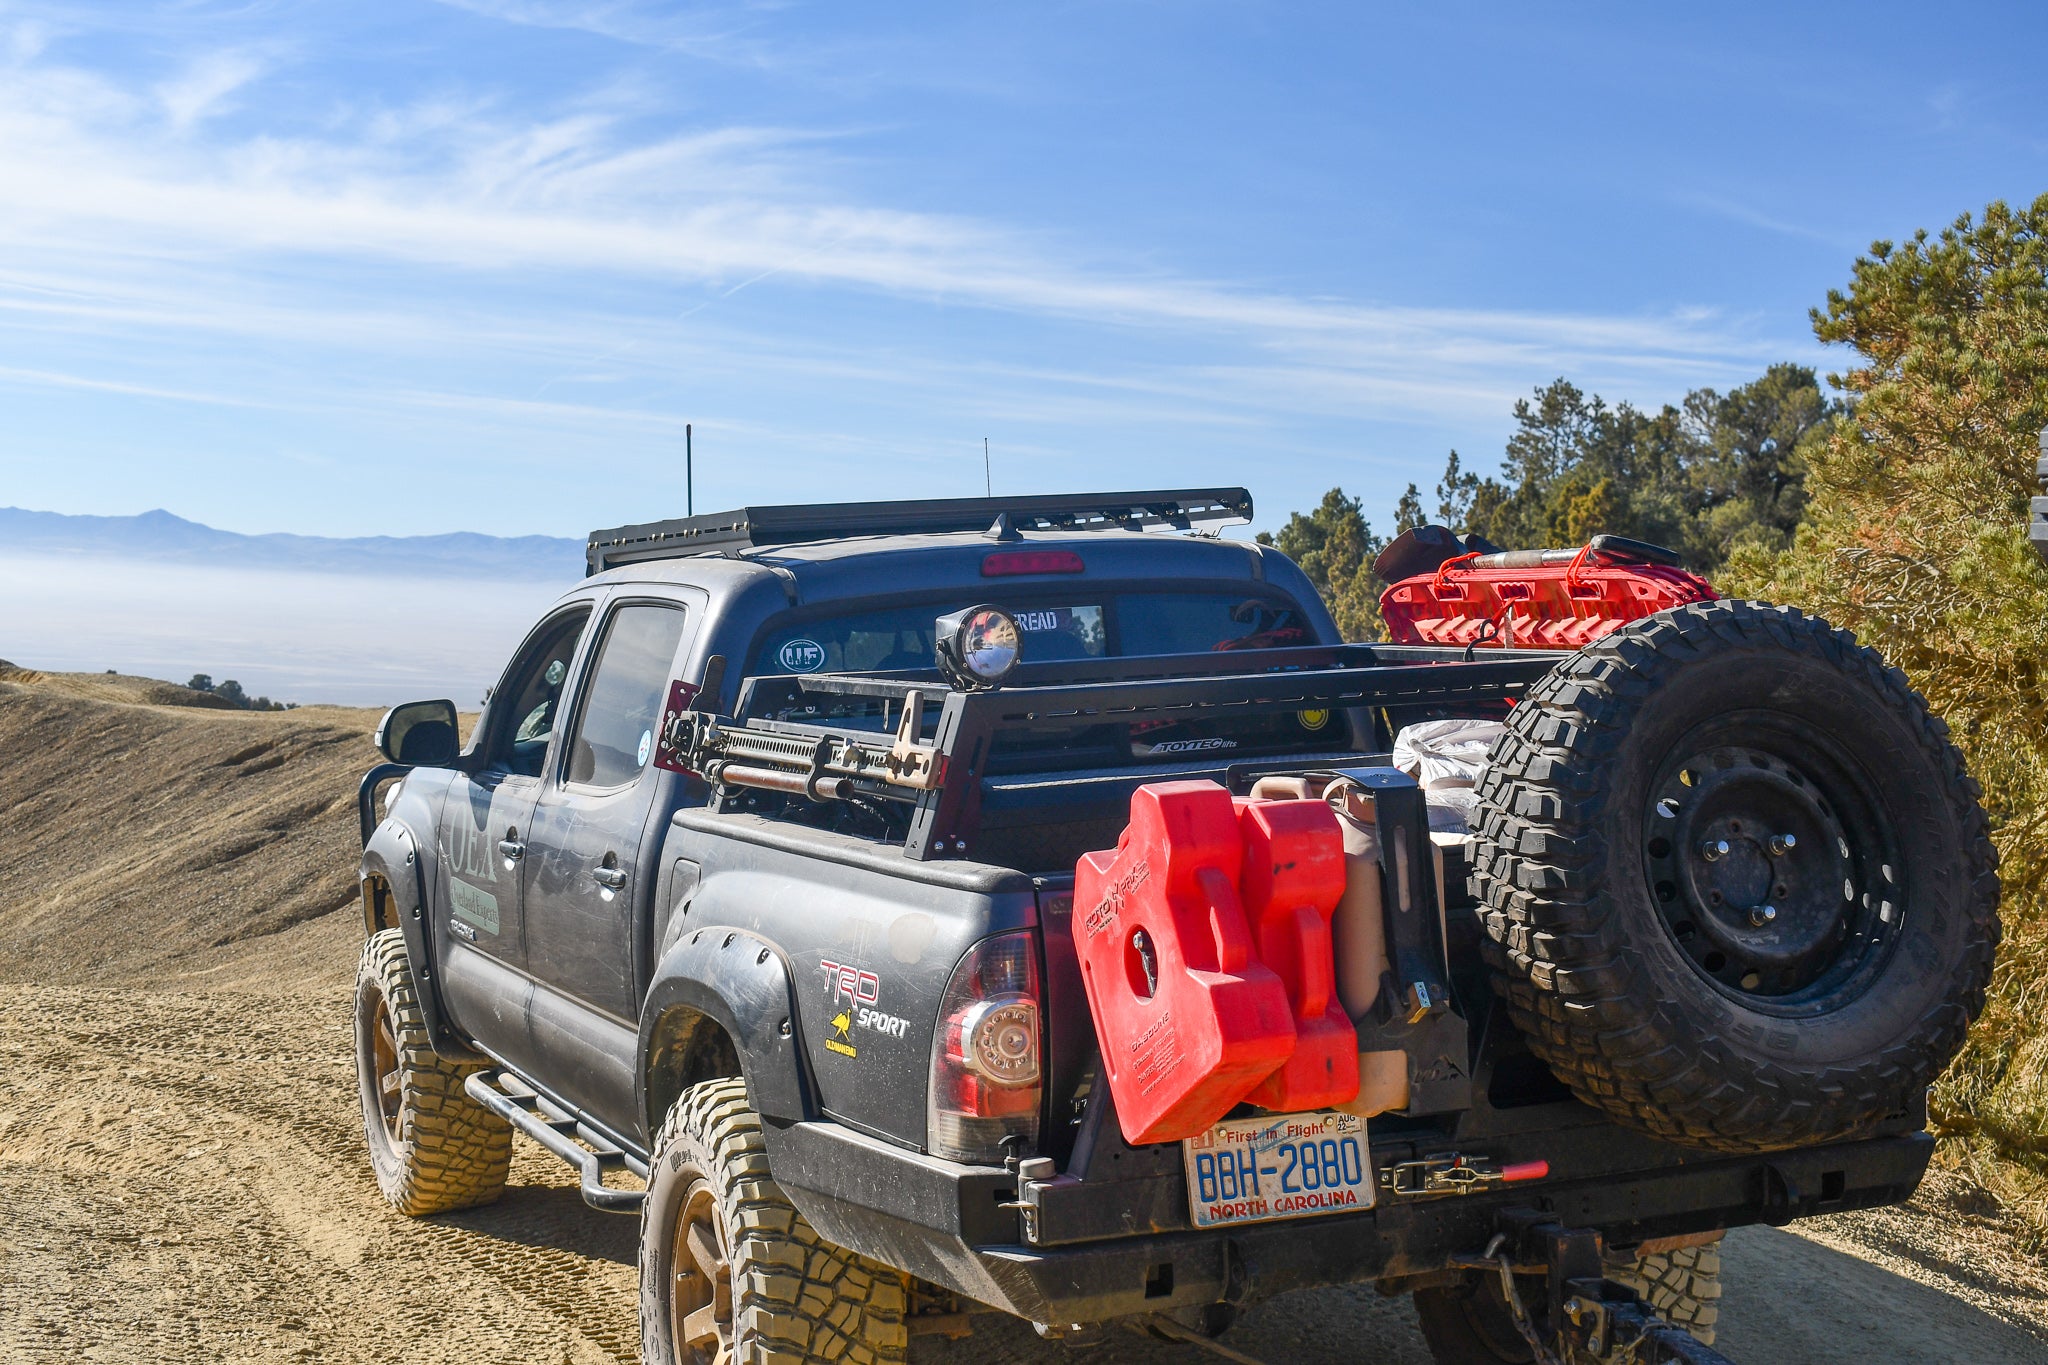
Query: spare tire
<point>1737,888</point>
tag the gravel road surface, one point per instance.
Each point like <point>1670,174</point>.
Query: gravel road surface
<point>183,1180</point>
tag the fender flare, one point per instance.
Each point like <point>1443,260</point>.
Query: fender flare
<point>740,982</point>
<point>392,856</point>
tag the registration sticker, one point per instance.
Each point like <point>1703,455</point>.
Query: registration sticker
<point>1278,1166</point>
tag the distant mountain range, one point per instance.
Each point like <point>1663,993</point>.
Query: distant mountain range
<point>162,536</point>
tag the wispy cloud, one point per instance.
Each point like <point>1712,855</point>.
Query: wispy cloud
<point>480,189</point>
<point>579,271</point>
<point>204,88</point>
<point>719,32</point>
<point>1739,212</point>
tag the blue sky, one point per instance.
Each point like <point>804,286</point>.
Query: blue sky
<point>415,267</point>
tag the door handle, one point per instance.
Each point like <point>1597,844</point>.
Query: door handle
<point>612,877</point>
<point>511,848</point>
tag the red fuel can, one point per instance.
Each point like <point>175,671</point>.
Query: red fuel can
<point>1189,1019</point>
<point>1293,877</point>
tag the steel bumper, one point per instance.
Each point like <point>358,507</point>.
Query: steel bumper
<point>959,1226</point>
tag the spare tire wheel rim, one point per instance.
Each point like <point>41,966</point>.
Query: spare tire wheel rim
<point>700,1281</point>
<point>1771,864</point>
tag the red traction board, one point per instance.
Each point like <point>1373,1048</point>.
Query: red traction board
<point>1549,606</point>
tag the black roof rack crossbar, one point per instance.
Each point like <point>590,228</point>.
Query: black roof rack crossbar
<point>1180,509</point>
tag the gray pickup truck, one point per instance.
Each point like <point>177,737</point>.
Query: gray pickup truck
<point>756,882</point>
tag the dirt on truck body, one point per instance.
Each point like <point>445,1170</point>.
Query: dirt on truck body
<point>1012,906</point>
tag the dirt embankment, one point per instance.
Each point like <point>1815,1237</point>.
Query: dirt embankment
<point>153,843</point>
<point>181,1169</point>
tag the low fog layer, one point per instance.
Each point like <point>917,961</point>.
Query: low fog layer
<point>353,639</point>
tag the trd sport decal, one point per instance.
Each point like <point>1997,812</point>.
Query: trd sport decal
<point>860,991</point>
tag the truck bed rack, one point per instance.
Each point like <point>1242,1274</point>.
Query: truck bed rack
<point>942,767</point>
<point>1180,509</point>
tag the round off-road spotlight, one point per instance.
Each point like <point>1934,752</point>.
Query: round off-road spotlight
<point>978,647</point>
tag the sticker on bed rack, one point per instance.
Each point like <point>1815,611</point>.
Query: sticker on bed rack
<point>1313,719</point>
<point>801,656</point>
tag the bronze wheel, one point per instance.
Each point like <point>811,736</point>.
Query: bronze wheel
<point>384,1067</point>
<point>700,1283</point>
<point>731,1273</point>
<point>432,1147</point>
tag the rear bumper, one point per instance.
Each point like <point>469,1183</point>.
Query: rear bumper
<point>945,1222</point>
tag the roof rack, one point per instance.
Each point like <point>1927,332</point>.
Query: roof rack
<point>1181,509</point>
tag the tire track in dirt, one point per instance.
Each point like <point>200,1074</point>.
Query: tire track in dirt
<point>185,1181</point>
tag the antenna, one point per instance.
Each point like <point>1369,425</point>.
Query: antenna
<point>988,486</point>
<point>689,474</point>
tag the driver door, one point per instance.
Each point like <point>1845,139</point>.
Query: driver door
<point>586,891</point>
<point>485,825</point>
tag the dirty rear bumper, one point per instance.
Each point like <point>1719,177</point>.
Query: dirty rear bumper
<point>946,1222</point>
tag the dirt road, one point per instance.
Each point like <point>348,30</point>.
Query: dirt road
<point>182,1179</point>
<point>182,1175</point>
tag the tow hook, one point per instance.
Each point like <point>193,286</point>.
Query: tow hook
<point>1455,1173</point>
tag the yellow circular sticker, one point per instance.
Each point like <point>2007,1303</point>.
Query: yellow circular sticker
<point>1313,720</point>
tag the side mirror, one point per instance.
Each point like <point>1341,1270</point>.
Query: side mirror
<point>420,733</point>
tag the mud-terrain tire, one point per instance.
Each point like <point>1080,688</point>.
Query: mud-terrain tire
<point>1683,1286</point>
<point>776,1291</point>
<point>1469,1323</point>
<point>433,1148</point>
<point>1677,960</point>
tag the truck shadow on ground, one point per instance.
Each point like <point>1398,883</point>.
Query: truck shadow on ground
<point>553,1217</point>
<point>1788,1301</point>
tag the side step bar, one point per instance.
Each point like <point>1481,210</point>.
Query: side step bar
<point>562,1131</point>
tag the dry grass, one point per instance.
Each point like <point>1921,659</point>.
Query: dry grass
<point>159,834</point>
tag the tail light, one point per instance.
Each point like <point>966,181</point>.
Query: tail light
<point>986,1083</point>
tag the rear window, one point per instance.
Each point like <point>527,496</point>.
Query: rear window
<point>900,637</point>
<point>1190,622</point>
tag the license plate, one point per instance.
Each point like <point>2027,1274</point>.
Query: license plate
<point>1278,1166</point>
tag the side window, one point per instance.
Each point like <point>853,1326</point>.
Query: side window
<point>533,691</point>
<point>622,704</point>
